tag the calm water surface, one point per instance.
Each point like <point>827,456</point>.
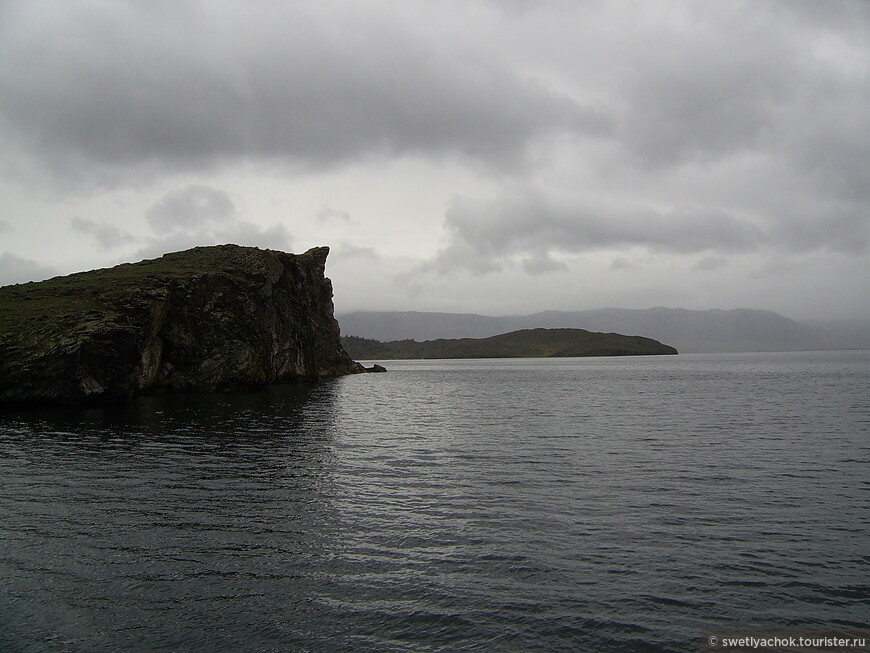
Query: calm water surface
<point>498,505</point>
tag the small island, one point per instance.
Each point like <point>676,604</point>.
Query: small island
<point>526,343</point>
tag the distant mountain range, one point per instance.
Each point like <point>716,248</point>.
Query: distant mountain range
<point>737,330</point>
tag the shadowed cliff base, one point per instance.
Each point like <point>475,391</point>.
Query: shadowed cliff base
<point>207,319</point>
<point>526,343</point>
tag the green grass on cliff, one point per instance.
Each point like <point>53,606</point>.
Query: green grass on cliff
<point>30,309</point>
<point>527,343</point>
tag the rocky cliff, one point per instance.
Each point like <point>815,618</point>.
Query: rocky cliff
<point>206,319</point>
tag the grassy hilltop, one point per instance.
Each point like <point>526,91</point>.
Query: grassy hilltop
<point>36,314</point>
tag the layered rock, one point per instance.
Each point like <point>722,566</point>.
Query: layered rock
<point>206,319</point>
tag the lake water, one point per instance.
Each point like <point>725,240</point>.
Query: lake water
<point>495,505</point>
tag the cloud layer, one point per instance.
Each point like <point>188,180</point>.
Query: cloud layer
<point>185,85</point>
<point>530,223</point>
<point>688,134</point>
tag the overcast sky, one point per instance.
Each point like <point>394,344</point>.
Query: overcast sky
<point>485,156</point>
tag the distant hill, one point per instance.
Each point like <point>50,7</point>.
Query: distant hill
<point>526,343</point>
<point>689,331</point>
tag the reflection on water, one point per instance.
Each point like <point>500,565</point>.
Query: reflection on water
<point>146,526</point>
<point>605,504</point>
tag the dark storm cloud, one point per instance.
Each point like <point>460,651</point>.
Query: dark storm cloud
<point>107,235</point>
<point>530,223</point>
<point>187,85</point>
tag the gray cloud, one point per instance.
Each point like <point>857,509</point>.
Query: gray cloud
<point>533,225</point>
<point>14,269</point>
<point>543,263</point>
<point>192,207</point>
<point>848,15</point>
<point>327,214</point>
<point>241,233</point>
<point>107,235</point>
<point>622,263</point>
<point>462,256</point>
<point>782,83</point>
<point>683,138</point>
<point>348,251</point>
<point>712,91</point>
<point>841,229</point>
<point>710,263</point>
<point>275,236</point>
<point>199,215</point>
<point>120,84</point>
<point>113,89</point>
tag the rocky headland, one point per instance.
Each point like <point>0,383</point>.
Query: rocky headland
<point>207,319</point>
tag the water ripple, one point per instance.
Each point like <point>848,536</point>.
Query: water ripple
<point>606,504</point>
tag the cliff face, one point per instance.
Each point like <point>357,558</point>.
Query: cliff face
<point>206,319</point>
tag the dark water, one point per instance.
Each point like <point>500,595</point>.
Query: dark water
<point>523,505</point>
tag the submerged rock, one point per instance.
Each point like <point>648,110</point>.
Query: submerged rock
<point>206,319</point>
